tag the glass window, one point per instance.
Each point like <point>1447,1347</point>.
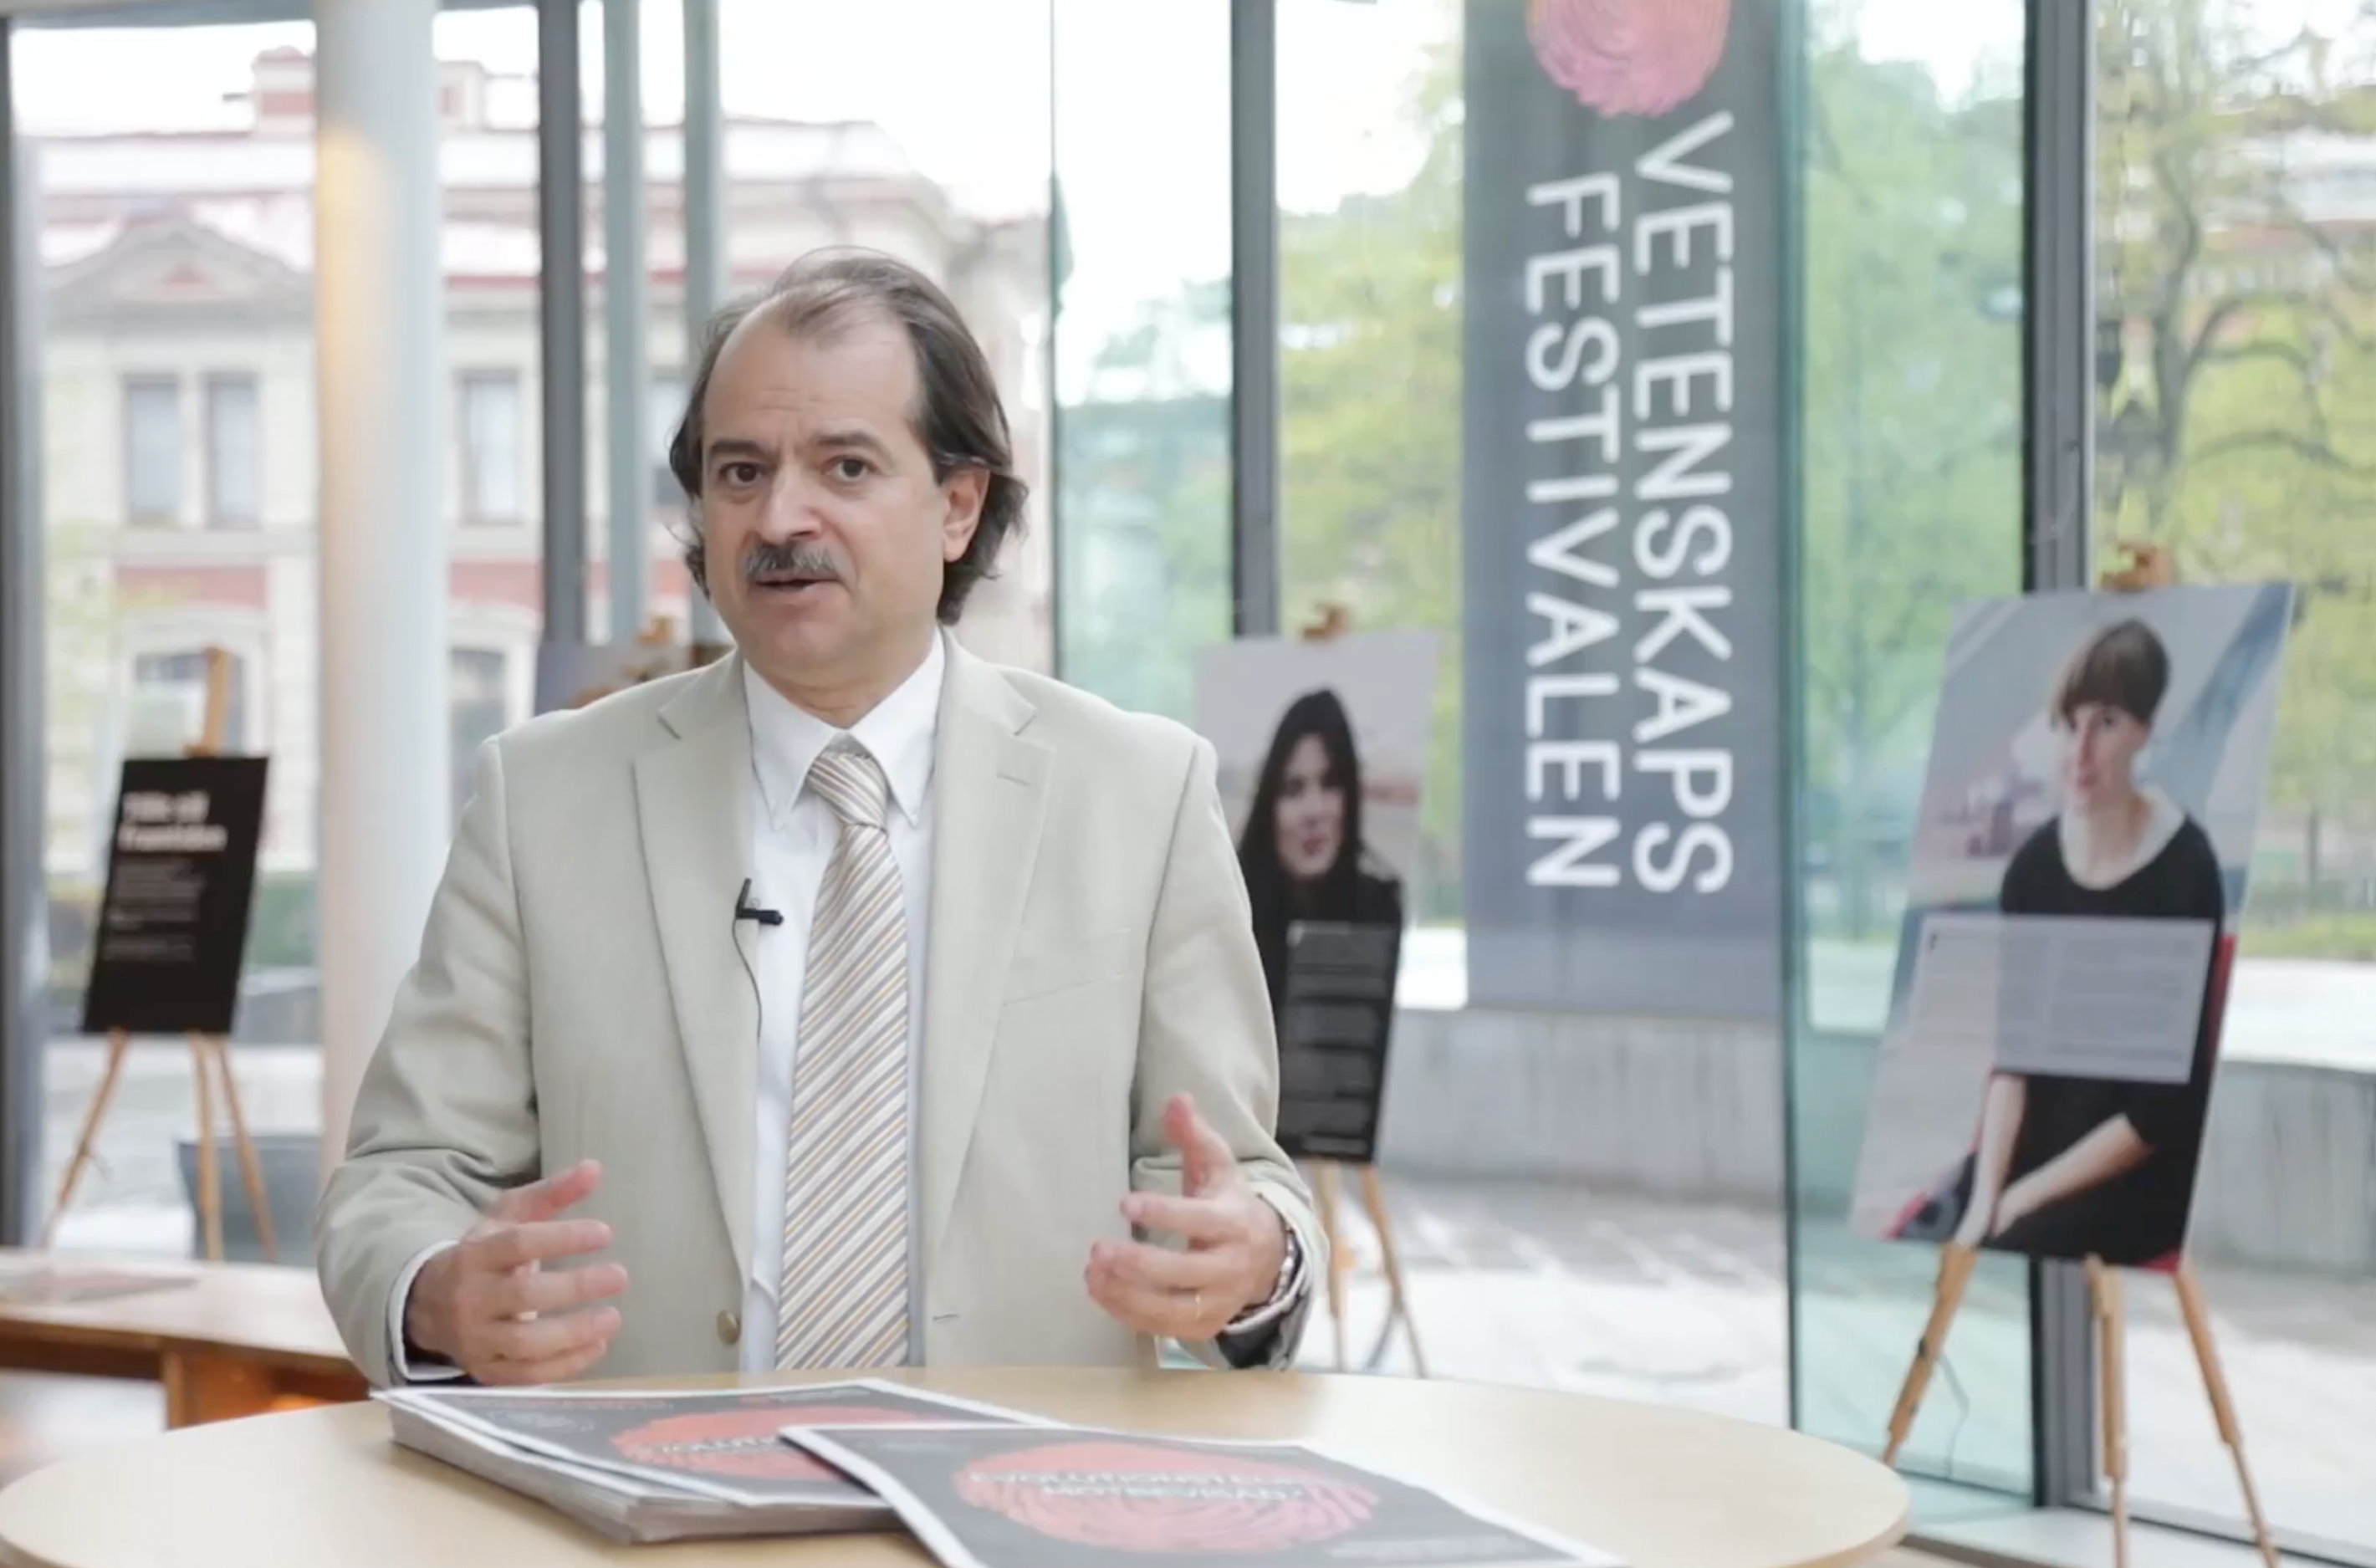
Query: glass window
<point>869,124</point>
<point>1142,345</point>
<point>2236,425</point>
<point>667,407</point>
<point>480,705</point>
<point>234,452</point>
<point>152,450</point>
<point>495,463</point>
<point>176,211</point>
<point>1369,355</point>
<point>167,711</point>
<point>1910,388</point>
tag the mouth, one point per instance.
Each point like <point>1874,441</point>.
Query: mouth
<point>789,587</point>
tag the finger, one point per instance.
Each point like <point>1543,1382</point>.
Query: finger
<point>1179,1315</point>
<point>1206,1161</point>
<point>530,1341</point>
<point>522,1291</point>
<point>1145,1308</point>
<point>550,1196</point>
<point>517,1246</point>
<point>558,1369</point>
<point>1201,1222</point>
<point>1135,1262</point>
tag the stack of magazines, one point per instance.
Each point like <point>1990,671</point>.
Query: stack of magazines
<point>671,1465</point>
<point>979,1487</point>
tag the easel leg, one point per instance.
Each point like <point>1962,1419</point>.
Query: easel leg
<point>1955,1273</point>
<point>1374,1198</point>
<point>2197,1315</point>
<point>1328,1187</point>
<point>119,1044</point>
<point>2104,1289</point>
<point>209,1184</point>
<point>251,1172</point>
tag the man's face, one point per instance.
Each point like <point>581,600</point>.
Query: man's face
<point>824,531</point>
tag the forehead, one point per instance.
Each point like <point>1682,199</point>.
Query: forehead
<point>858,368</point>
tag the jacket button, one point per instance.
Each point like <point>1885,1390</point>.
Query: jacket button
<point>730,1328</point>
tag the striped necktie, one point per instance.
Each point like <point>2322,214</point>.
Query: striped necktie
<point>843,1301</point>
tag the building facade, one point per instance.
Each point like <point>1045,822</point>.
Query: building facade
<point>177,338</point>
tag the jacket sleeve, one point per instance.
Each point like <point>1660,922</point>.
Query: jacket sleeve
<point>1206,1029</point>
<point>445,1118</point>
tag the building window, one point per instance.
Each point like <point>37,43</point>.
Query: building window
<point>667,407</point>
<point>168,710</point>
<point>234,453</point>
<point>479,703</point>
<point>493,461</point>
<point>152,450</point>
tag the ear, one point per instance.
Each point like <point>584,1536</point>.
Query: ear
<point>964,492</point>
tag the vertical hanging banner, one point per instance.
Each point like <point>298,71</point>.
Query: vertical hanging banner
<point>1622,833</point>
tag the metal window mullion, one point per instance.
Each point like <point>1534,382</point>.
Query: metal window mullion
<point>24,946</point>
<point>1253,316</point>
<point>2060,286</point>
<point>561,232</point>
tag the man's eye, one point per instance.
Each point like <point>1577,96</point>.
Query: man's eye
<point>740,474</point>
<point>851,468</point>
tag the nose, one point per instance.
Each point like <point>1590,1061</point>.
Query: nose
<point>791,511</point>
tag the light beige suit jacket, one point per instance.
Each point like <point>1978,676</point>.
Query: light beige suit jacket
<point>583,990</point>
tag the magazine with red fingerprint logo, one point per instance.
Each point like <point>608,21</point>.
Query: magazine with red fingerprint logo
<point>1005,1497</point>
<point>726,1444</point>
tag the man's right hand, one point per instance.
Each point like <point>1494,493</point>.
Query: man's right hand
<point>489,1306</point>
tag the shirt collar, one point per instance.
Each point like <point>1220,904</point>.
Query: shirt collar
<point>898,733</point>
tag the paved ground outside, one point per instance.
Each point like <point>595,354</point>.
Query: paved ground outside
<point>1565,1288</point>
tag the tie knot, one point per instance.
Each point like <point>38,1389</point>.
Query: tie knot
<point>852,784</point>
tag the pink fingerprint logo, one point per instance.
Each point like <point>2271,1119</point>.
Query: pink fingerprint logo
<point>1629,56</point>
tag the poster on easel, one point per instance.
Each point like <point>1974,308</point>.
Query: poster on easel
<point>2086,827</point>
<point>574,674</point>
<point>1323,746</point>
<point>181,874</point>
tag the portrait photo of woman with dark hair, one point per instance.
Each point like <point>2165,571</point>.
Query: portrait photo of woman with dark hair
<point>2071,1167</point>
<point>1302,849</point>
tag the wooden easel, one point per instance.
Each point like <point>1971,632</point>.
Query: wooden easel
<point>1328,1174</point>
<point>2150,566</point>
<point>2111,1327</point>
<point>209,1059</point>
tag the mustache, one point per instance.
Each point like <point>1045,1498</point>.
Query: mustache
<point>791,558</point>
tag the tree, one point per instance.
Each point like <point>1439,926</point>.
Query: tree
<point>1371,427</point>
<point>2237,362</point>
<point>1910,388</point>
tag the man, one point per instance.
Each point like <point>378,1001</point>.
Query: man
<point>850,1002</point>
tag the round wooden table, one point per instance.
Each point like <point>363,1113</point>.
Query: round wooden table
<point>1659,1488</point>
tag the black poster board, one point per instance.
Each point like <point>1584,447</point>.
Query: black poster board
<point>181,874</point>
<point>1335,1023</point>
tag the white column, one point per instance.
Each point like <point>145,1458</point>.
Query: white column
<point>380,351</point>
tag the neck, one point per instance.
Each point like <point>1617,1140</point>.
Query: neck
<point>2114,825</point>
<point>842,698</point>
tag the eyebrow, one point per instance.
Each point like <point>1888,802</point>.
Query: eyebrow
<point>851,439</point>
<point>848,440</point>
<point>739,447</point>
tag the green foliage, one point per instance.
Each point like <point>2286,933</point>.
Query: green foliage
<point>1910,383</point>
<point>2238,424</point>
<point>1370,388</point>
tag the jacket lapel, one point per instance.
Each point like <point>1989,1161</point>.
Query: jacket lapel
<point>693,790</point>
<point>990,794</point>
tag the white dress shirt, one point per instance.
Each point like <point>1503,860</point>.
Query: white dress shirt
<point>793,834</point>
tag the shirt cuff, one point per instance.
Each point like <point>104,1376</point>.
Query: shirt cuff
<point>403,1368</point>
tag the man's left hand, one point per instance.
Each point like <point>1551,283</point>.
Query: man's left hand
<point>1235,1243</point>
